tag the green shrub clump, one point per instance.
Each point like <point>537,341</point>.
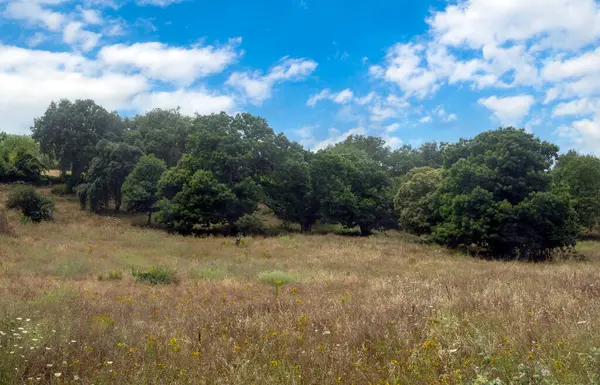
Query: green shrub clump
<point>160,275</point>
<point>250,224</point>
<point>34,206</point>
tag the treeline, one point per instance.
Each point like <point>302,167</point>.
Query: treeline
<point>505,192</point>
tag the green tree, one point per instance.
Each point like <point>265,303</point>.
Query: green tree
<point>69,131</point>
<point>414,200</point>
<point>107,173</point>
<point>236,148</point>
<point>580,175</point>
<point>353,190</point>
<point>201,201</point>
<point>501,178</point>
<point>140,190</point>
<point>162,133</point>
<point>291,194</point>
<point>192,197</point>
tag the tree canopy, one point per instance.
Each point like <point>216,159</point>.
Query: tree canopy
<point>70,131</point>
<point>504,193</point>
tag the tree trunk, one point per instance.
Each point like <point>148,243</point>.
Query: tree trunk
<point>74,179</point>
<point>117,206</point>
<point>307,227</point>
<point>149,218</point>
<point>365,230</point>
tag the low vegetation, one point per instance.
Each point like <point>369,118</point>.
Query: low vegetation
<point>346,310</point>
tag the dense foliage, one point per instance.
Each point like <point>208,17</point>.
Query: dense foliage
<point>504,193</point>
<point>580,176</point>
<point>20,159</point>
<point>140,189</point>
<point>32,204</point>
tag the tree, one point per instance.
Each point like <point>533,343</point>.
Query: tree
<point>201,201</point>
<point>414,200</point>
<point>162,133</point>
<point>107,173</point>
<point>353,190</point>
<point>580,176</point>
<point>20,159</point>
<point>140,190</point>
<point>291,194</point>
<point>236,148</point>
<point>494,196</point>
<point>191,197</point>
<point>69,132</point>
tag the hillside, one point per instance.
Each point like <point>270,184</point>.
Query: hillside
<point>346,310</point>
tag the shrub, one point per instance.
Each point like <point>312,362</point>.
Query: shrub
<point>250,224</point>
<point>160,275</point>
<point>60,191</point>
<point>32,204</point>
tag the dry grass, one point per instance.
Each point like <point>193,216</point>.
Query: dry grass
<point>357,311</point>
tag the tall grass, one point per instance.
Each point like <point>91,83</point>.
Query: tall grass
<point>349,310</point>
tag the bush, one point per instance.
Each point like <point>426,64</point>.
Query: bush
<point>250,224</point>
<point>160,275</point>
<point>32,204</point>
<point>60,191</point>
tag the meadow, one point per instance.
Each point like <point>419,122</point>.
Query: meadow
<point>288,309</point>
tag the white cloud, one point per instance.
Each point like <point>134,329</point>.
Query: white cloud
<point>392,128</point>
<point>31,79</point>
<point>425,119</point>
<point>583,134</point>
<point>509,110</point>
<point>342,97</point>
<point>404,67</point>
<point>190,101</point>
<point>577,108</point>
<point>173,64</point>
<point>91,16</point>
<point>557,24</point>
<point>258,88</point>
<point>159,3</point>
<point>75,35</point>
<point>31,12</point>
<point>444,116</point>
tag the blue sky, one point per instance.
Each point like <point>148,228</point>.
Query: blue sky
<point>318,70</point>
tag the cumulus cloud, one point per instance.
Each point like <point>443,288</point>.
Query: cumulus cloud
<point>257,87</point>
<point>182,65</point>
<point>509,110</point>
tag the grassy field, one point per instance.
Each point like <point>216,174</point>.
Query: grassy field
<point>294,309</point>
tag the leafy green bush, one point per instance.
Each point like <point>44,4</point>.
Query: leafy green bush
<point>250,224</point>
<point>160,275</point>
<point>32,204</point>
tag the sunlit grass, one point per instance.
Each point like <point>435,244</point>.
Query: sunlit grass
<point>294,309</point>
